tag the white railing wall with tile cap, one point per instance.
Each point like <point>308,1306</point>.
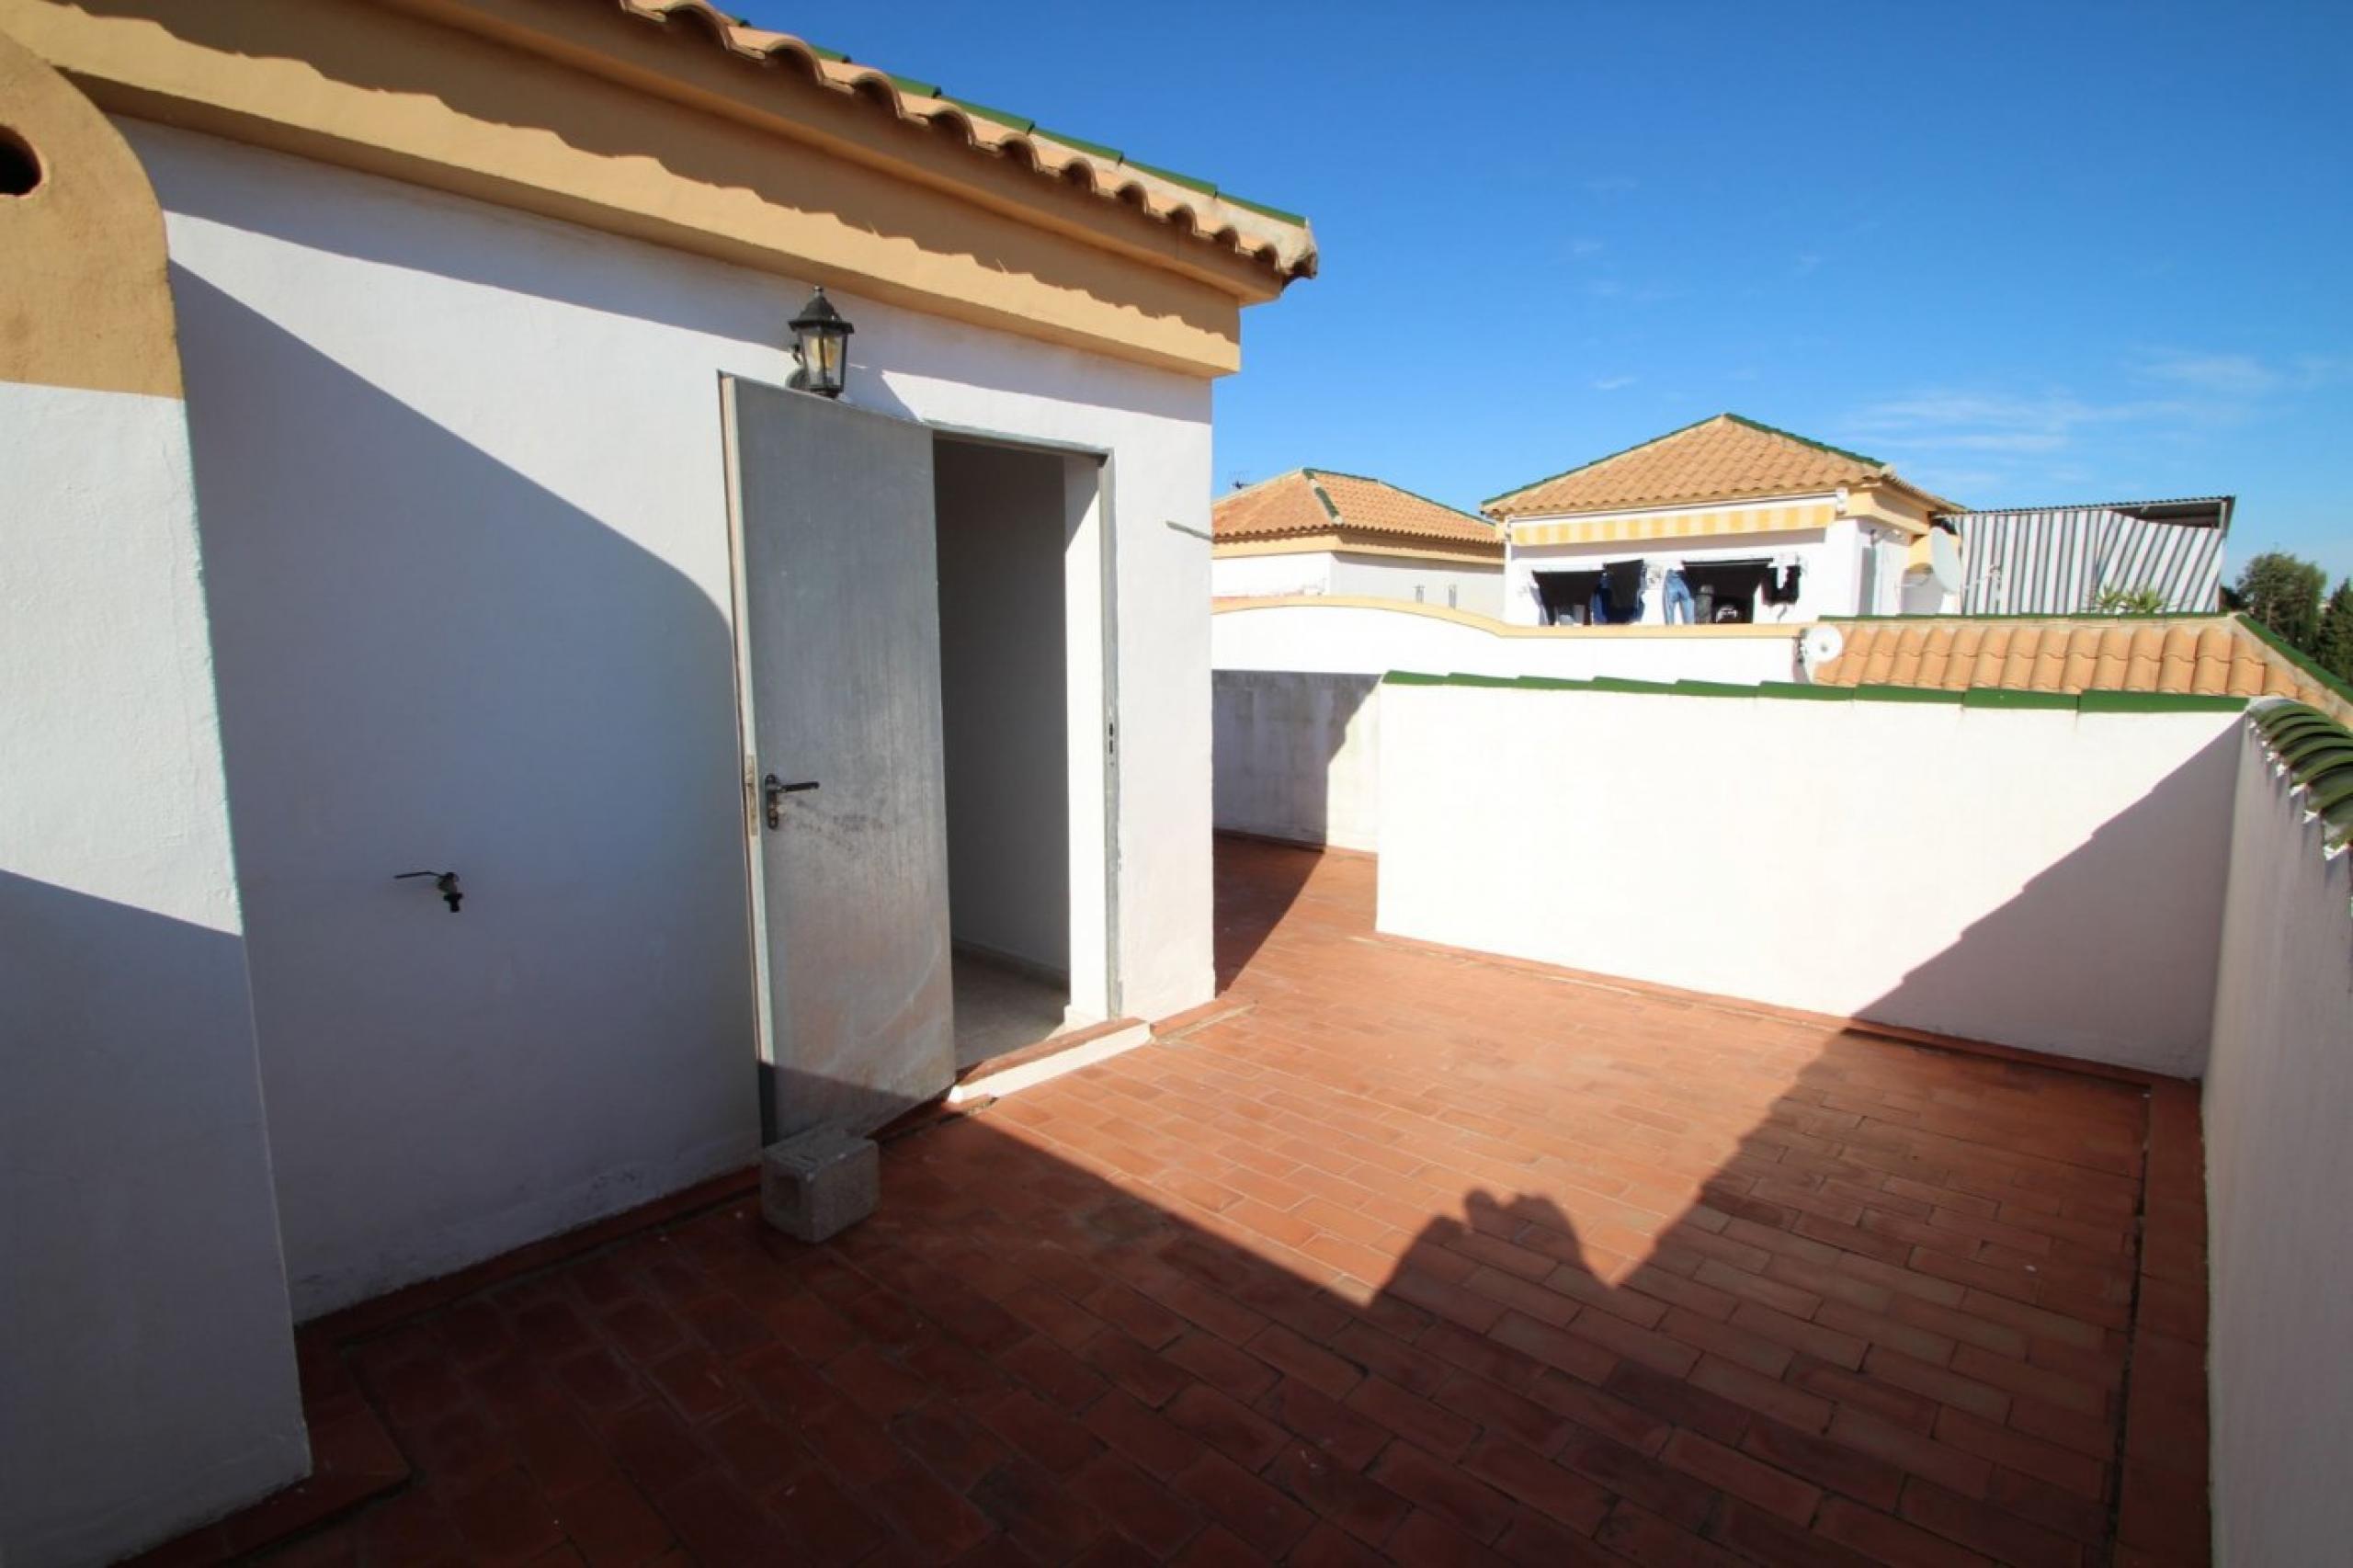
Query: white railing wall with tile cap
<point>2278,1123</point>
<point>1362,636</point>
<point>2035,871</point>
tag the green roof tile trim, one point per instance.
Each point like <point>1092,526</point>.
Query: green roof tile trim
<point>1385,485</point>
<point>1804,692</point>
<point>2159,702</point>
<point>1803,440</point>
<point>2300,722</point>
<point>2296,656</point>
<point>1204,186</point>
<point>1002,117</point>
<point>1281,214</point>
<point>2317,751</point>
<point>2002,696</point>
<point>1317,491</point>
<point>1800,691</point>
<point>1097,148</point>
<point>1028,127</point>
<point>1908,694</point>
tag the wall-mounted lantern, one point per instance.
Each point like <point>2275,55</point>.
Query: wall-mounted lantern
<point>821,341</point>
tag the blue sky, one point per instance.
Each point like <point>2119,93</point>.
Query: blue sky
<point>2028,254</point>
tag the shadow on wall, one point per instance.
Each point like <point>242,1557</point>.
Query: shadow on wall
<point>780,174</point>
<point>1295,756</point>
<point>427,661</point>
<point>544,259</point>
<point>2150,882</point>
<point>1037,1338</point>
<point>148,1360</point>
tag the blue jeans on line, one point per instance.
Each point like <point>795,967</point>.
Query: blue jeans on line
<point>1678,598</point>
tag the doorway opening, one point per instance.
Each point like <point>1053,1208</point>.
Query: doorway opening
<point>1023,741</point>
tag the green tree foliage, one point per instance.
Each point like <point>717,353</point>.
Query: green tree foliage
<point>2333,644</point>
<point>2283,592</point>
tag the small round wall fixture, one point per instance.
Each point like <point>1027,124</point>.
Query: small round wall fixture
<point>821,341</point>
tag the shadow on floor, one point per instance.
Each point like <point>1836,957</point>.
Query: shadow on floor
<point>1421,1259</point>
<point>1257,881</point>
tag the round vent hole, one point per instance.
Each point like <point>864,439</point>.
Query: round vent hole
<point>20,169</point>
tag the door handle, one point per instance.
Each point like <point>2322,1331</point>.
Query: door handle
<point>774,790</point>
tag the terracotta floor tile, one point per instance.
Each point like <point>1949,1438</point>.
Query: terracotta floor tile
<point>1395,1254</point>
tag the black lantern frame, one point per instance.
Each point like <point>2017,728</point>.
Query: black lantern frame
<point>821,341</point>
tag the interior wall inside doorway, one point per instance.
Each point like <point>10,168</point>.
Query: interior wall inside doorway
<point>1006,528</point>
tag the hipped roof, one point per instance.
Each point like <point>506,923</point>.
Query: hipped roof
<point>1723,457</point>
<point>1308,501</point>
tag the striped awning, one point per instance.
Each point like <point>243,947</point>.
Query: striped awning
<point>2056,562</point>
<point>1695,524</point>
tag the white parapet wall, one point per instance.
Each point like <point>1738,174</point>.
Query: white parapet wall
<point>2039,873</point>
<point>2278,1123</point>
<point>1298,755</point>
<point>1298,706</point>
<point>1348,635</point>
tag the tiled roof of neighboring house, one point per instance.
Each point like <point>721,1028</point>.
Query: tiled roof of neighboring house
<point>2214,656</point>
<point>1281,241</point>
<point>1726,458</point>
<point>1317,501</point>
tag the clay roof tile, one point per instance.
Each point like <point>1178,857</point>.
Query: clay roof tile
<point>1721,459</point>
<point>1318,501</point>
<point>1278,241</point>
<point>2183,655</point>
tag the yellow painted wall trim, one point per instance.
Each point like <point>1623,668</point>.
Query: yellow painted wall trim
<point>585,114</point>
<point>84,296</point>
<point>1728,498</point>
<point>1463,555</point>
<point>1891,507</point>
<point>1494,628</point>
<point>1354,543</point>
<point>1713,522</point>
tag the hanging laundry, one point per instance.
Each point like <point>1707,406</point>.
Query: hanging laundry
<point>1624,581</point>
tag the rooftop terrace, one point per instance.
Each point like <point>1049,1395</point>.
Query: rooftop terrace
<point>1394,1253</point>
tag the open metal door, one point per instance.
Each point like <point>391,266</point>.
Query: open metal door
<point>838,634</point>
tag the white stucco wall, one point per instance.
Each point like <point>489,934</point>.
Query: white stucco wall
<point>1479,589</point>
<point>466,538</point>
<point>2036,877</point>
<point>147,1375</point>
<point>2278,1101</point>
<point>1243,576</point>
<point>1371,640</point>
<point>1299,756</point>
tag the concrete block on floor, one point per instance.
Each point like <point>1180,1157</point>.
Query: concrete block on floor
<point>819,1183</point>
